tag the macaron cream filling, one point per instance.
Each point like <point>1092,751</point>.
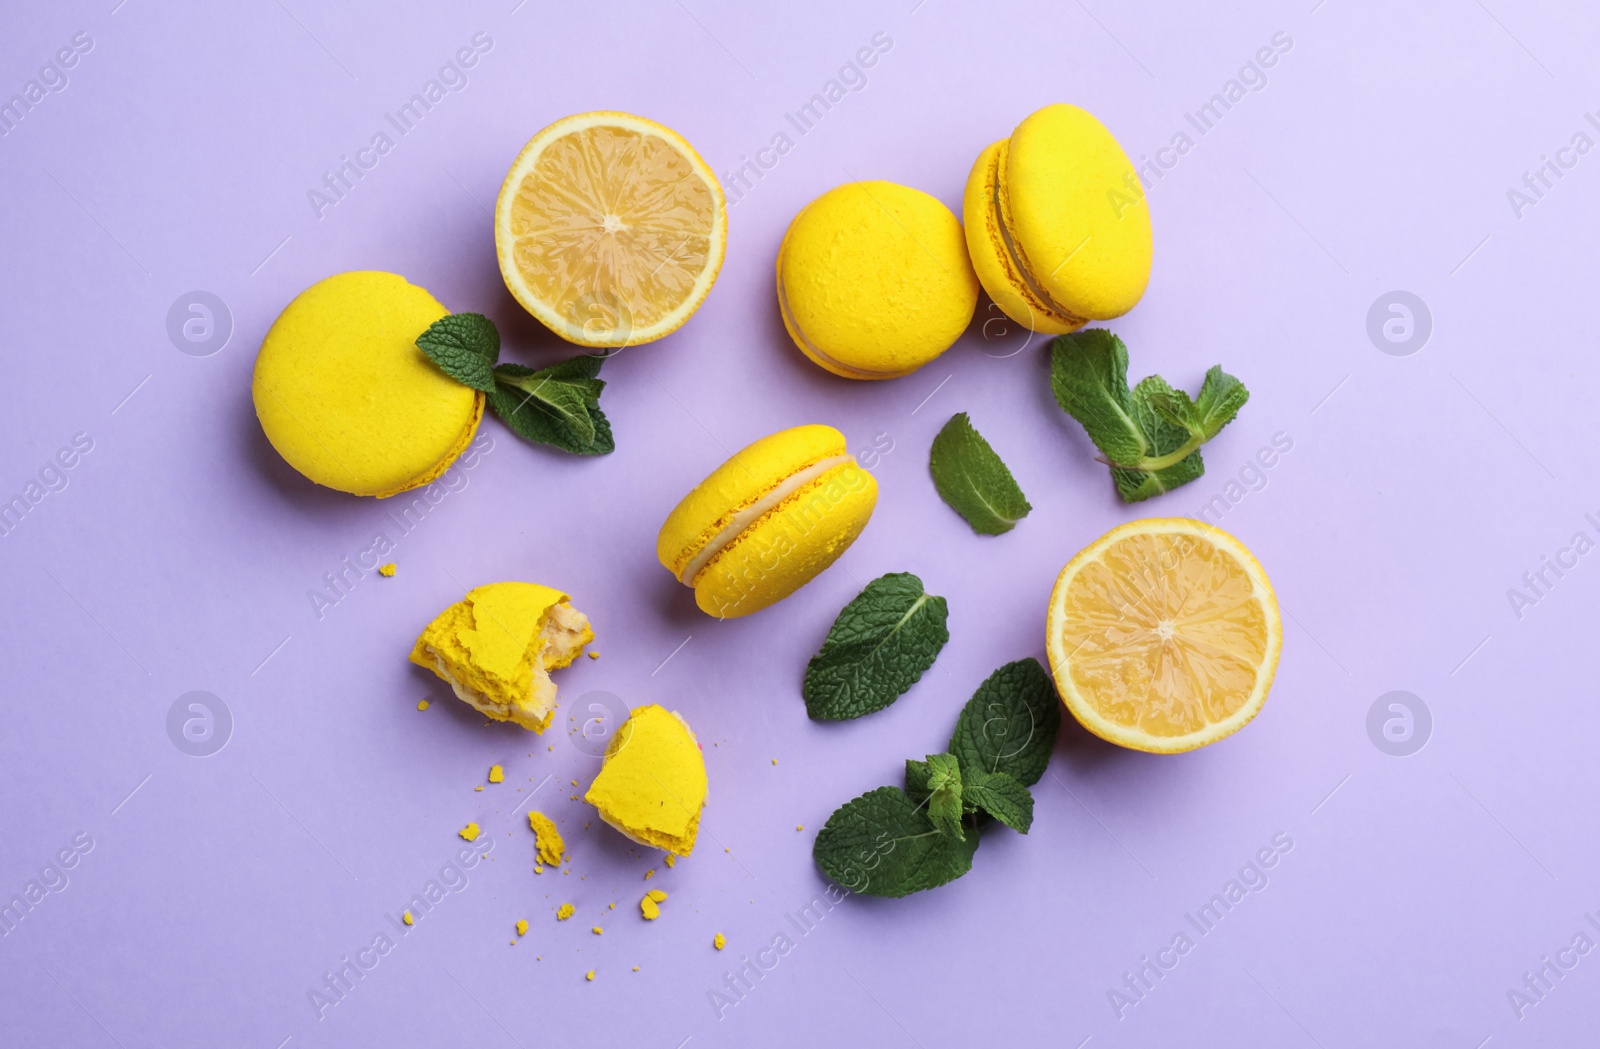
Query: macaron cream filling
<point>754,511</point>
<point>815,351</point>
<point>1018,263</point>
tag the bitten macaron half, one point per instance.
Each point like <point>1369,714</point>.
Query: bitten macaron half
<point>874,280</point>
<point>1057,224</point>
<point>767,521</point>
<point>496,647</point>
<point>347,398</point>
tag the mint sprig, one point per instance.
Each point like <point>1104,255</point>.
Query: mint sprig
<point>558,405</point>
<point>879,646</point>
<point>1150,435</point>
<point>973,480</point>
<point>893,842</point>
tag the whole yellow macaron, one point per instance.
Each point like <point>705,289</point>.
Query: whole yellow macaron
<point>767,521</point>
<point>874,280</point>
<point>1057,223</point>
<point>346,397</point>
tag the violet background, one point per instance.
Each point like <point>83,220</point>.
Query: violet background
<point>1419,489</point>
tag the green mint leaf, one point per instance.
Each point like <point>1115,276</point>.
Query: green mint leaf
<point>1009,725</point>
<point>944,794</point>
<point>884,844</point>
<point>973,480</point>
<point>465,346</point>
<point>1089,375</point>
<point>1221,397</point>
<point>559,405</point>
<point>1000,796</point>
<point>877,648</point>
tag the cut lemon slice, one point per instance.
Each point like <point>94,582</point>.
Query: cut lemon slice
<point>1164,635</point>
<point>610,229</point>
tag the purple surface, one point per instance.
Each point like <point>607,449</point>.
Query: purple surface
<point>217,891</point>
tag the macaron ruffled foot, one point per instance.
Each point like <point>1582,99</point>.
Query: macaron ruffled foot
<point>496,649</point>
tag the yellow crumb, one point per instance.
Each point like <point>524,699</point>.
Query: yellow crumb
<point>651,873</point>
<point>598,931</point>
<point>648,908</point>
<point>537,869</point>
<point>406,917</point>
<point>469,832</point>
<point>497,774</point>
<point>635,968</point>
<point>589,975</point>
<point>478,787</point>
<point>774,761</point>
<point>799,826</point>
<point>386,570</point>
<point>564,912</point>
<point>593,654</point>
<point>422,704</point>
<point>719,941</point>
<point>574,783</point>
<point>659,895</point>
<point>672,860</point>
<point>611,906</point>
<point>522,926</point>
<point>547,839</point>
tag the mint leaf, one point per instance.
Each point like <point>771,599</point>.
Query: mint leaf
<point>877,648</point>
<point>1089,376</point>
<point>465,347</point>
<point>944,794</point>
<point>1221,397</point>
<point>1009,725</point>
<point>558,405</point>
<point>1000,796</point>
<point>1151,435</point>
<point>973,480</point>
<point>884,844</point>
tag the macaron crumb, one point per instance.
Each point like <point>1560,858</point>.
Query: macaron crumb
<point>651,873</point>
<point>719,941</point>
<point>774,761</point>
<point>589,975</point>
<point>497,774</point>
<point>598,931</point>
<point>522,926</point>
<point>423,704</point>
<point>593,654</point>
<point>611,906</point>
<point>406,917</point>
<point>635,968</point>
<point>799,826</point>
<point>547,839</point>
<point>564,912</point>
<point>538,869</point>
<point>387,571</point>
<point>478,787</point>
<point>469,832</point>
<point>672,859</point>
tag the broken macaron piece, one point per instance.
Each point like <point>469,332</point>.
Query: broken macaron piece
<point>497,646</point>
<point>767,521</point>
<point>652,784</point>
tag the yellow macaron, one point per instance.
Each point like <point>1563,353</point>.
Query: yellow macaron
<point>874,280</point>
<point>652,784</point>
<point>497,646</point>
<point>767,521</point>
<point>1057,223</point>
<point>346,397</point>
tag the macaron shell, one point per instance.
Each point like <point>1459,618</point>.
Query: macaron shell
<point>1077,212</point>
<point>874,280</point>
<point>790,545</point>
<point>747,475</point>
<point>345,396</point>
<point>992,262</point>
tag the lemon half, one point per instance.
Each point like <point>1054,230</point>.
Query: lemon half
<point>610,229</point>
<point>1164,635</point>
